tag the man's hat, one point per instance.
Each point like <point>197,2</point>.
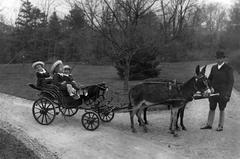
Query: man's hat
<point>55,64</point>
<point>37,63</point>
<point>66,67</point>
<point>220,54</point>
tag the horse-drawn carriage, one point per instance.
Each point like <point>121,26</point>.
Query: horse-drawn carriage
<point>53,101</point>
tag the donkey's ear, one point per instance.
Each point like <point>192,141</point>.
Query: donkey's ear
<point>203,69</point>
<point>197,70</point>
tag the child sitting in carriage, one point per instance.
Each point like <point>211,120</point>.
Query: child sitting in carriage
<point>43,77</point>
<point>60,79</point>
<point>70,83</point>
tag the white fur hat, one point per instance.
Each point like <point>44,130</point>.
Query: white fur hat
<point>66,67</point>
<point>37,63</point>
<point>55,64</point>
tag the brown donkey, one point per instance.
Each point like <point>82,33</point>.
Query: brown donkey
<point>148,94</point>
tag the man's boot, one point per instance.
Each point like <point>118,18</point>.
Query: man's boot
<point>211,116</point>
<point>221,121</point>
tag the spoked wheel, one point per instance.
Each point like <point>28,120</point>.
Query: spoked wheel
<point>90,121</point>
<point>43,111</point>
<point>106,115</point>
<point>71,111</point>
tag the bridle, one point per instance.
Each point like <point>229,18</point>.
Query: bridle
<point>200,77</point>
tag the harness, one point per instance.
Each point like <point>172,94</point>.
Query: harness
<point>171,84</point>
<point>174,84</point>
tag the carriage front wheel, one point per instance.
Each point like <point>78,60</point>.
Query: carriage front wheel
<point>43,111</point>
<point>106,114</point>
<point>90,121</point>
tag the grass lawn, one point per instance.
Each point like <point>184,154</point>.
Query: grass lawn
<point>15,77</point>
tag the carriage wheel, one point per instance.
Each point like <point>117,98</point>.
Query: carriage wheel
<point>43,111</point>
<point>106,115</point>
<point>90,121</point>
<point>68,111</point>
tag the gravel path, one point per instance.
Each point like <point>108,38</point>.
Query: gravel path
<point>67,139</point>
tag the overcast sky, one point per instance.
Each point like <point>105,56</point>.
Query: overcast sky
<point>10,8</point>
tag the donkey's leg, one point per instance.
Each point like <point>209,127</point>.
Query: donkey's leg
<point>145,116</point>
<point>181,117</point>
<point>132,113</point>
<point>171,120</point>
<point>178,114</point>
<point>139,121</point>
<point>139,114</point>
<point>175,111</point>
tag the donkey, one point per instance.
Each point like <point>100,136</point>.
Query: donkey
<point>180,111</point>
<point>144,95</point>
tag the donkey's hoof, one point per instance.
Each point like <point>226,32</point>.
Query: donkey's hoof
<point>145,129</point>
<point>146,123</point>
<point>183,128</point>
<point>177,128</point>
<point>134,130</point>
<point>175,135</point>
<point>139,123</point>
<point>172,132</point>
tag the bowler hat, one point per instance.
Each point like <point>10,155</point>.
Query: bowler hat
<point>220,54</point>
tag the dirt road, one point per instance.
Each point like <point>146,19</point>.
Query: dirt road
<point>67,139</point>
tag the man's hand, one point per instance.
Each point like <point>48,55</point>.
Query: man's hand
<point>64,82</point>
<point>212,90</point>
<point>207,93</point>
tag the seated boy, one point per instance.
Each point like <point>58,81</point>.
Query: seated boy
<point>70,83</point>
<point>43,77</point>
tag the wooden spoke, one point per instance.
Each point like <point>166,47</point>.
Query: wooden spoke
<point>90,121</point>
<point>106,116</point>
<point>68,111</point>
<point>46,109</point>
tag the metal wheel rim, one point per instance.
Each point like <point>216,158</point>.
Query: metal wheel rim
<point>43,111</point>
<point>68,111</point>
<point>90,121</point>
<point>106,117</point>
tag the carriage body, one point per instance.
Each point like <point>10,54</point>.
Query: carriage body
<point>51,101</point>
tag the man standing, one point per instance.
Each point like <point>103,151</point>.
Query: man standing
<point>221,79</point>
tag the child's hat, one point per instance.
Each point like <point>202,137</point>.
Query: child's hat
<point>37,63</point>
<point>66,67</point>
<point>55,64</point>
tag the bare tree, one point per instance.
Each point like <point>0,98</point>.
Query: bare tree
<point>47,6</point>
<point>175,15</point>
<point>118,21</point>
<point>215,20</point>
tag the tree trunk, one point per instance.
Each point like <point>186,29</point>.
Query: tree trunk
<point>54,50</point>
<point>126,76</point>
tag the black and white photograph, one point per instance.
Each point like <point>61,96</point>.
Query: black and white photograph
<point>119,79</point>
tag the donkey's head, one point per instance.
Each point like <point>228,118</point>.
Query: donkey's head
<point>201,82</point>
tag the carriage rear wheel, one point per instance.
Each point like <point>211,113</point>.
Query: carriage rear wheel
<point>43,111</point>
<point>106,115</point>
<point>71,111</point>
<point>90,121</point>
